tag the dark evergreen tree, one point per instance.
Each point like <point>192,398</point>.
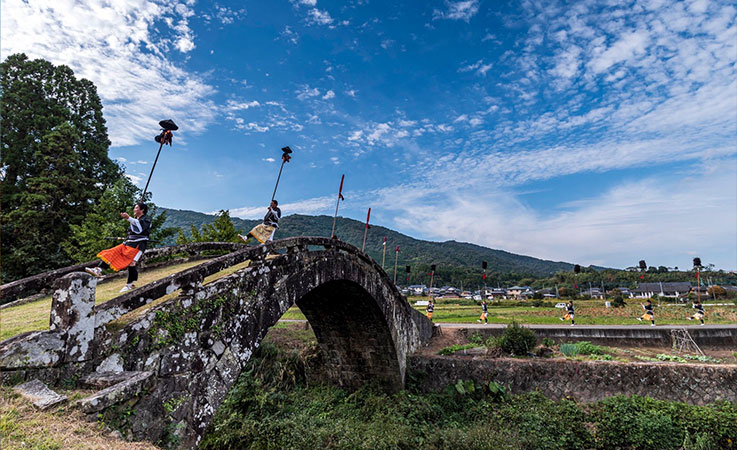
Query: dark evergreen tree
<point>53,162</point>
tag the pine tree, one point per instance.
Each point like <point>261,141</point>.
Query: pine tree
<point>54,162</point>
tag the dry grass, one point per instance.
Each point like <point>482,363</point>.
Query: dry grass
<point>22,426</point>
<point>34,316</point>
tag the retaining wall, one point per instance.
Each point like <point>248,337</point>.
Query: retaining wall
<point>584,381</point>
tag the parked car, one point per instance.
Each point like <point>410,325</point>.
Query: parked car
<point>560,305</point>
<point>477,297</point>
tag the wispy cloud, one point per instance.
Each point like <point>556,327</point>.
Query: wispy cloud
<point>459,10</point>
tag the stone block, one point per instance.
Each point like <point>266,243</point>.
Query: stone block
<point>37,349</point>
<point>118,393</point>
<point>72,314</point>
<point>39,394</point>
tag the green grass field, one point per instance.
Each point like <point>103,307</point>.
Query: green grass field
<point>588,312</point>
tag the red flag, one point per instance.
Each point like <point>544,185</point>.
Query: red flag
<point>484,276</point>
<point>642,277</point>
<point>340,191</point>
<point>384,241</point>
<point>397,250</point>
<point>367,219</point>
<point>575,286</point>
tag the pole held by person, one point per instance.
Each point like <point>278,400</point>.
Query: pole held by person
<point>365,231</point>
<point>340,197</point>
<point>165,137</point>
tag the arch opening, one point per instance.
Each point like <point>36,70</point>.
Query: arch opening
<point>353,335</point>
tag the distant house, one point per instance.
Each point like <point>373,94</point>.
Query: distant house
<point>496,294</point>
<point>417,289</point>
<point>668,289</point>
<point>519,292</point>
<point>593,293</point>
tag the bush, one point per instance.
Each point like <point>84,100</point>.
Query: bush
<point>618,302</point>
<point>517,340</point>
<point>476,338</point>
<point>587,348</point>
<point>547,342</point>
<point>569,350</point>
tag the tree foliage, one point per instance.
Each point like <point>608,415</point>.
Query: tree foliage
<point>103,222</point>
<point>53,164</point>
<point>221,230</point>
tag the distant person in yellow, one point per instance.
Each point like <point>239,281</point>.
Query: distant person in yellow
<point>265,231</point>
<point>484,313</point>
<point>649,314</point>
<point>430,308</point>
<point>570,313</point>
<point>699,313</point>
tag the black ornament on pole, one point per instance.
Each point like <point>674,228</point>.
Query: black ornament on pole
<point>165,137</point>
<point>285,158</point>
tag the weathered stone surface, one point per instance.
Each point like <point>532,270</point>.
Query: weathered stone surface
<point>103,380</point>
<point>72,314</point>
<point>586,381</point>
<point>39,394</point>
<point>36,349</point>
<point>111,364</point>
<point>124,390</point>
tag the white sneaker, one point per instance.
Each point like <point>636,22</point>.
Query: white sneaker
<point>572,324</point>
<point>561,319</point>
<point>701,325</point>
<point>652,324</point>
<point>640,319</point>
<point>94,271</point>
<point>128,287</point>
<point>243,238</point>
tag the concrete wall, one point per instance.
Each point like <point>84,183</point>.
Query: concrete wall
<point>717,337</point>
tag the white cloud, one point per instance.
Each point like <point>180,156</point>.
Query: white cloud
<point>290,35</point>
<point>351,93</point>
<point>317,17</point>
<point>135,179</point>
<point>306,92</point>
<point>124,54</point>
<point>459,10</point>
<point>328,95</point>
<point>233,105</point>
<point>271,160</point>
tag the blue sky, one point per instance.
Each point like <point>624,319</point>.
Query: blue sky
<point>594,132</point>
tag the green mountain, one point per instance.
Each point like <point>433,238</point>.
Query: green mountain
<point>457,262</point>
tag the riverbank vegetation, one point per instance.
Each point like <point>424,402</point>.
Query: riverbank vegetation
<point>276,405</point>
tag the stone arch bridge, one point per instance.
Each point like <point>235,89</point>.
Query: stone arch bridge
<point>169,366</point>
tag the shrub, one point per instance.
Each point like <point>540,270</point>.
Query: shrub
<point>517,340</point>
<point>618,302</point>
<point>476,338</point>
<point>569,350</point>
<point>547,342</point>
<point>587,348</point>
